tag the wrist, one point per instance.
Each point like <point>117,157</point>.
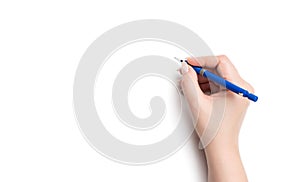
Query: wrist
<point>223,145</point>
<point>221,149</point>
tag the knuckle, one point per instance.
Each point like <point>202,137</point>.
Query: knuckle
<point>249,87</point>
<point>252,90</point>
<point>223,57</point>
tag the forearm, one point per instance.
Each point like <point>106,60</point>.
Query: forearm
<point>224,162</point>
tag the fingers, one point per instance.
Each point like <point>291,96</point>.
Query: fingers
<point>190,87</point>
<point>189,78</point>
<point>209,88</point>
<point>191,81</point>
<point>206,61</point>
<point>221,64</point>
<point>202,79</point>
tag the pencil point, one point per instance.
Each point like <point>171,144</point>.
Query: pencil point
<point>178,59</point>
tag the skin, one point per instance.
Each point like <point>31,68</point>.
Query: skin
<point>222,152</point>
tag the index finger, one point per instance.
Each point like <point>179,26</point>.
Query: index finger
<point>221,64</point>
<point>206,61</point>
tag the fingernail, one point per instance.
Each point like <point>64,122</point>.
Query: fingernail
<point>184,68</point>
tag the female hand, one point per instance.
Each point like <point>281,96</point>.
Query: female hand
<point>218,114</point>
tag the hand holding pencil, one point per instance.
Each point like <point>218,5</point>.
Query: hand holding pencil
<point>222,153</point>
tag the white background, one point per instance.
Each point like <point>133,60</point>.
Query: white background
<point>41,44</point>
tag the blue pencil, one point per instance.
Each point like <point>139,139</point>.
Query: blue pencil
<point>220,81</point>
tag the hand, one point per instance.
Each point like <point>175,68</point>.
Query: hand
<point>206,101</point>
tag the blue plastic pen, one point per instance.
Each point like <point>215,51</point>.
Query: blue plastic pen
<point>230,86</point>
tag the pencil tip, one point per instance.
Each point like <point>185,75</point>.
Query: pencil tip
<point>178,59</point>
